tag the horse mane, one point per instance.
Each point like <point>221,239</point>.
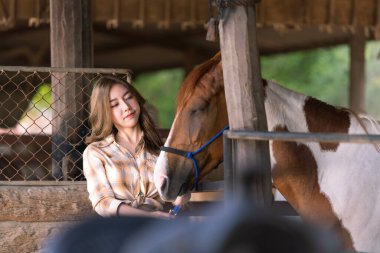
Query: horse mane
<point>191,81</point>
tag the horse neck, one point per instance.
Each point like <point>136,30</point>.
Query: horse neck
<point>284,107</point>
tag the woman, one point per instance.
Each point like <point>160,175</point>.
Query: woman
<point>123,146</point>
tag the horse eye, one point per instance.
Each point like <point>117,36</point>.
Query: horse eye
<point>199,110</point>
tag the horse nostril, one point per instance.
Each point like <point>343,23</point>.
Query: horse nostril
<point>162,183</point>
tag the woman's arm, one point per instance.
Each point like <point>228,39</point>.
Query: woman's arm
<point>126,210</point>
<point>100,192</point>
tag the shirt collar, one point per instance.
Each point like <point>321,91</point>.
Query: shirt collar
<point>111,139</point>
<point>106,141</point>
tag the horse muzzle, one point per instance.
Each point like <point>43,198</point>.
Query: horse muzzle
<point>162,180</point>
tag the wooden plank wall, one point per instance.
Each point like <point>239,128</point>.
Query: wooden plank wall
<point>33,212</point>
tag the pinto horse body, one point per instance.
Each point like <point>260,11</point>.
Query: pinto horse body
<point>333,184</point>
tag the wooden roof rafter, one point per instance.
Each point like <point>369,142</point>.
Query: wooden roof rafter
<point>190,14</point>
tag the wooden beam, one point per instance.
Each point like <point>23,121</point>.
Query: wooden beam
<point>357,71</point>
<point>245,103</point>
<point>185,14</point>
<point>71,46</point>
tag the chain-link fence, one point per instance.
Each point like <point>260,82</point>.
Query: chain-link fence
<point>43,121</point>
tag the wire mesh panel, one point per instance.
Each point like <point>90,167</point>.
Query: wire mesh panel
<point>44,121</point>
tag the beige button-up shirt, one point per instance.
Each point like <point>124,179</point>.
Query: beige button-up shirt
<point>115,176</point>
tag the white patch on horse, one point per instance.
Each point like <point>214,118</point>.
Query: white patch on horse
<point>351,184</point>
<point>161,167</point>
<point>349,177</point>
<point>279,104</point>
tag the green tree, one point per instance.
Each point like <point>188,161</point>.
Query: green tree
<point>160,89</point>
<point>321,73</point>
<point>324,74</point>
<point>373,79</point>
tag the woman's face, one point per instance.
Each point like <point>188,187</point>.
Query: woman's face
<point>125,110</point>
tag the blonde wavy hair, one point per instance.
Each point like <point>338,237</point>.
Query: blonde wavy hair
<point>100,114</point>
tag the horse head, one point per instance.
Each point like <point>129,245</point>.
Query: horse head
<point>201,113</point>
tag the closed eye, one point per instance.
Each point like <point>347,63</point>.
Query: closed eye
<point>128,97</point>
<point>199,109</point>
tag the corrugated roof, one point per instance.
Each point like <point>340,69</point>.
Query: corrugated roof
<point>187,14</point>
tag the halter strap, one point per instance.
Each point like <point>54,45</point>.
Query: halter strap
<point>190,155</point>
<point>174,151</point>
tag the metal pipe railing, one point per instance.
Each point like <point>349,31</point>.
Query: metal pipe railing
<point>298,136</point>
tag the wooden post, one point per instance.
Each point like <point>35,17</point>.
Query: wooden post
<point>357,71</point>
<point>245,101</point>
<point>228,168</point>
<point>71,46</point>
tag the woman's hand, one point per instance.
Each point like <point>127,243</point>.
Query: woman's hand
<point>126,210</point>
<point>182,200</point>
<point>162,215</point>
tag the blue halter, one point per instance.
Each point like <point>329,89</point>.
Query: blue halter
<point>190,155</point>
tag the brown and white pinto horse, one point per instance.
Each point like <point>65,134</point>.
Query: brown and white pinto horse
<point>335,184</point>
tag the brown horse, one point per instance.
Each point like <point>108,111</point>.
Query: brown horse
<point>334,184</point>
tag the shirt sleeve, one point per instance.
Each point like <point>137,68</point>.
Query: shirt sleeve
<point>100,192</point>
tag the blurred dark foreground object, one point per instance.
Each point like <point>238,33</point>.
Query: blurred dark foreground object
<point>238,229</point>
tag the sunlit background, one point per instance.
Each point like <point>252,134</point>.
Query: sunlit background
<point>321,73</point>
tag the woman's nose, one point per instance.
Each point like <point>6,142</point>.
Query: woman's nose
<point>126,106</point>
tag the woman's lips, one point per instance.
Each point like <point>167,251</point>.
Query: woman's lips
<point>130,116</point>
